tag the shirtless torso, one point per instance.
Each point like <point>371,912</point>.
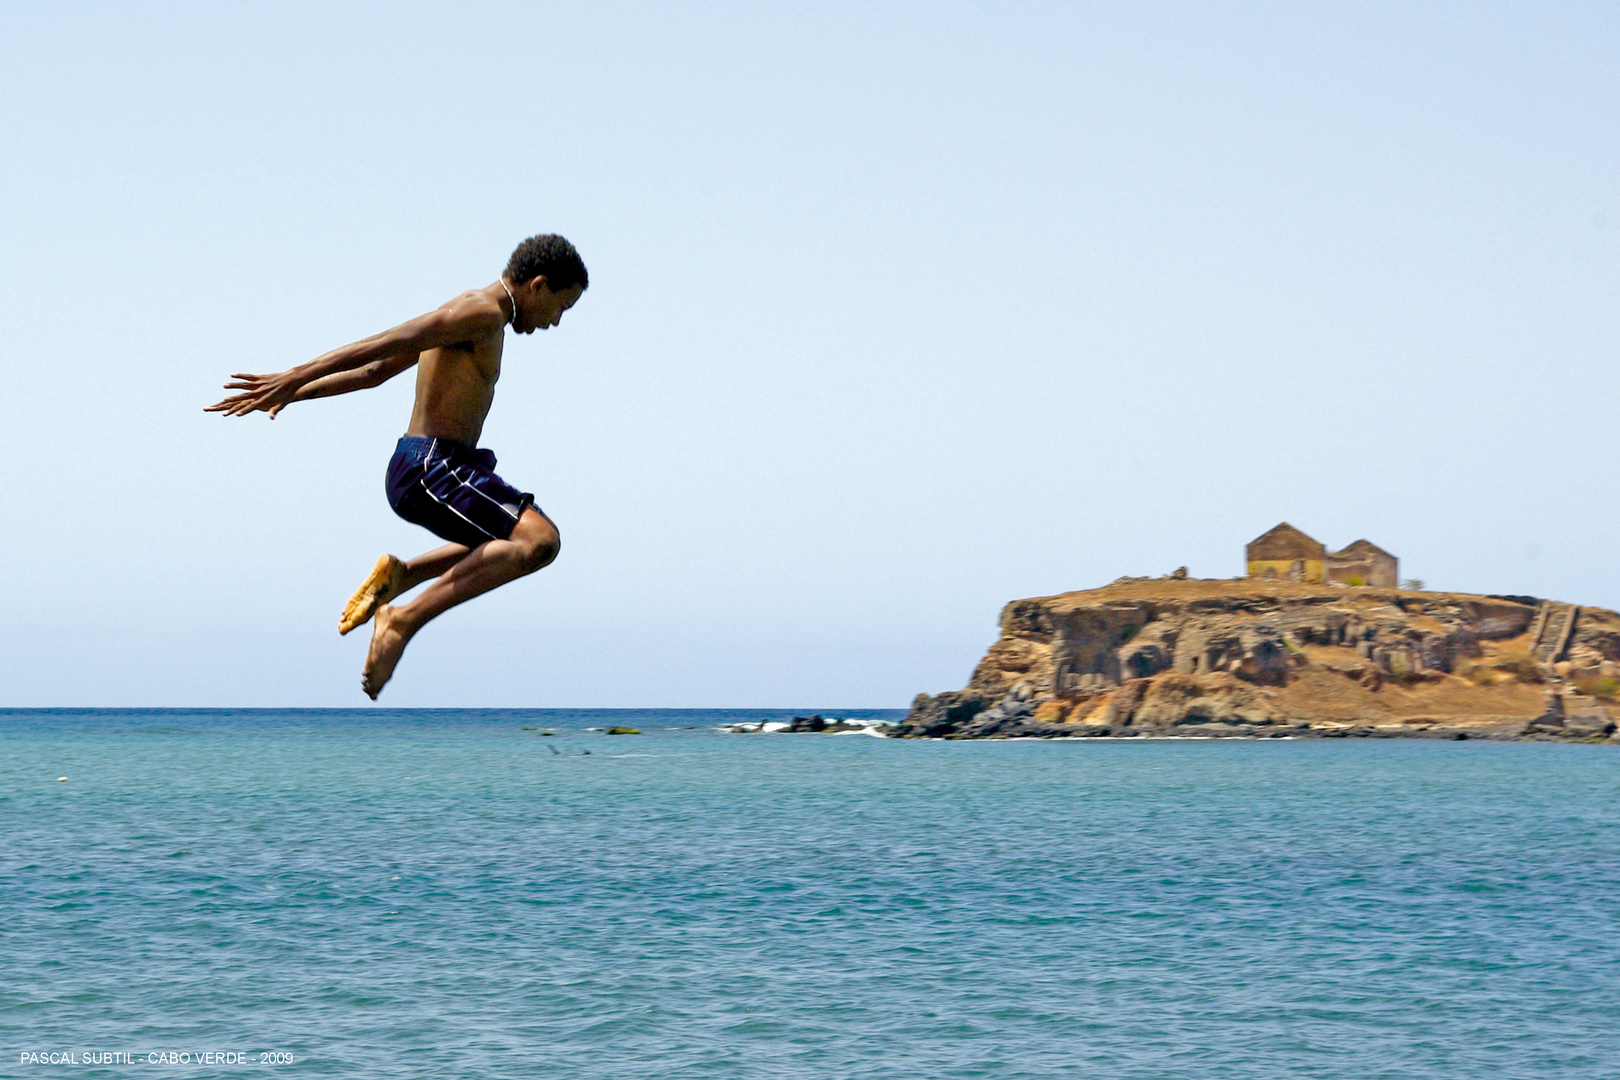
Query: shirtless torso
<point>438,478</point>
<point>455,386</point>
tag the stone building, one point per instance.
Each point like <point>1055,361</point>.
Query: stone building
<point>1286,554</point>
<point>1364,563</point>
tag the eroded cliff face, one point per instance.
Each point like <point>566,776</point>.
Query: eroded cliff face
<point>1242,657</point>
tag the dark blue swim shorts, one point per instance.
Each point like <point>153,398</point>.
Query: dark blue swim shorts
<point>451,490</point>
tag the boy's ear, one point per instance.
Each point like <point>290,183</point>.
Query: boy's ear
<point>537,283</point>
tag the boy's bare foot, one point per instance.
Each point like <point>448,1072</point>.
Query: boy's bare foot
<point>387,645</point>
<point>382,586</point>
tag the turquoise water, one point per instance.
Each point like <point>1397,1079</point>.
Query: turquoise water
<point>394,893</point>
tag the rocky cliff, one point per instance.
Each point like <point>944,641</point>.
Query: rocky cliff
<point>1187,657</point>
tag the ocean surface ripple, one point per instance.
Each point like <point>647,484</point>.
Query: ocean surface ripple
<point>446,893</point>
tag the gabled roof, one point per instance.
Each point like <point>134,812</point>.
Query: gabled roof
<point>1363,548</point>
<point>1283,541</point>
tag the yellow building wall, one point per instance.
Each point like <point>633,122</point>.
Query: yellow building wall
<point>1281,567</point>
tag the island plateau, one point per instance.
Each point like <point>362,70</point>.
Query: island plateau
<point>1284,656</point>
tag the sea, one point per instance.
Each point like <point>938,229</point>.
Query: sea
<point>517,893</point>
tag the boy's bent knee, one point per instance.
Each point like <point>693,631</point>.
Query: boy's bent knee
<point>541,554</point>
<point>538,541</point>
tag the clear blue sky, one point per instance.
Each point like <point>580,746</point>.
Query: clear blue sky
<point>898,312</point>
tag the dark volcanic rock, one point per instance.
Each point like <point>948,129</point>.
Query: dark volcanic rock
<point>819,724</point>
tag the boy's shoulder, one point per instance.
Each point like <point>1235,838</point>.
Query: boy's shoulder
<point>474,302</point>
<point>471,315</point>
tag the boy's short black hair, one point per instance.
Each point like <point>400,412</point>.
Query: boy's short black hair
<point>552,256</point>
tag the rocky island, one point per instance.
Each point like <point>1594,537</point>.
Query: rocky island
<point>1266,657</point>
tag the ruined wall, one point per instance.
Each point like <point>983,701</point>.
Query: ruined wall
<point>1379,571</point>
<point>1308,571</point>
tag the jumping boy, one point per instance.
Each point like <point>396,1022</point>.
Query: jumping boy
<point>437,478</point>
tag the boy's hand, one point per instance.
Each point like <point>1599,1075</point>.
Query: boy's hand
<point>270,393</point>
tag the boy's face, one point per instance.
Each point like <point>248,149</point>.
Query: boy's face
<point>539,307</point>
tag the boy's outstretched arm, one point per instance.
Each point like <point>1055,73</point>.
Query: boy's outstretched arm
<point>341,382</point>
<point>361,378</point>
<point>364,363</point>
